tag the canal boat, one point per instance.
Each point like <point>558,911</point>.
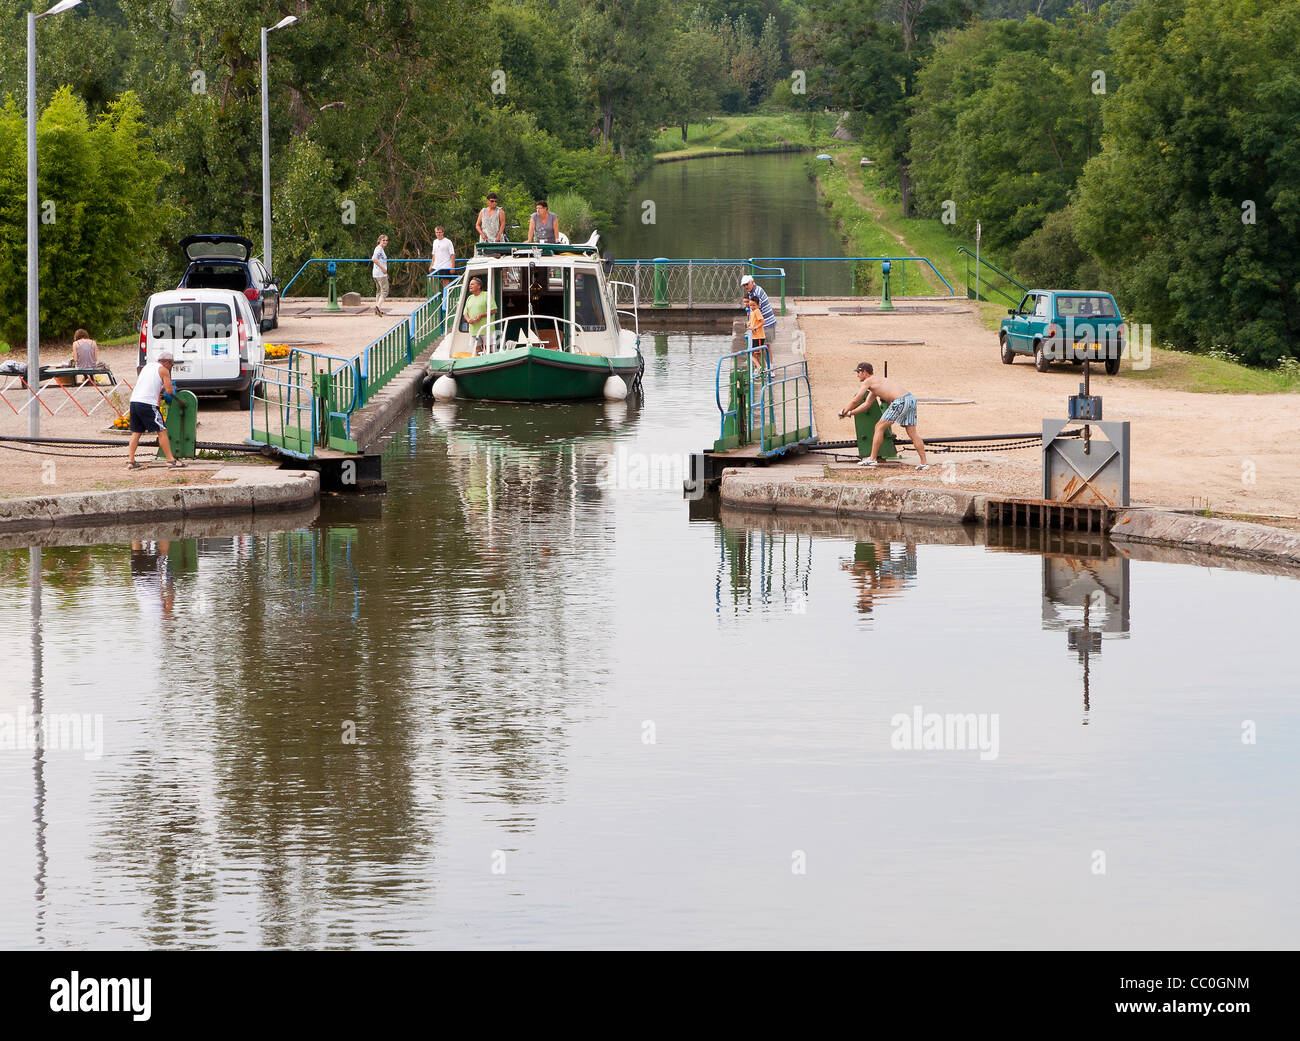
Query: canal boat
<point>555,328</point>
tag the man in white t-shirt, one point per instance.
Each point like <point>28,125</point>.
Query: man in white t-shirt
<point>153,384</point>
<point>443,260</point>
<point>379,272</point>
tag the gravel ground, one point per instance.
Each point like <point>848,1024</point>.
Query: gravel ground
<point>1234,453</point>
<point>55,469</point>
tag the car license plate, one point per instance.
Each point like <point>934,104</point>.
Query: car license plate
<point>180,367</point>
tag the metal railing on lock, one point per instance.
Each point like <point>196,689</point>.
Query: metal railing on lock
<point>428,322</point>
<point>351,276</point>
<point>331,389</point>
<point>985,280</point>
<point>770,406</point>
<point>283,413</point>
<point>857,276</point>
<point>784,408</point>
<point>666,281</point>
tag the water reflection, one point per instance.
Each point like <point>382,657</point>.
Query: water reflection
<point>757,568</point>
<point>766,563</point>
<point>1085,590</point>
<point>881,571</point>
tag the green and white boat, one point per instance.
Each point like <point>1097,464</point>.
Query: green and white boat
<point>556,330</point>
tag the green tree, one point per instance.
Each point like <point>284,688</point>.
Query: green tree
<point>97,186</point>
<point>1003,120</point>
<point>1194,201</point>
<point>695,72</point>
<point>863,55</point>
<point>620,45</point>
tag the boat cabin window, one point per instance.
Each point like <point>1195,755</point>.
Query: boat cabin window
<point>588,311</point>
<point>541,292</point>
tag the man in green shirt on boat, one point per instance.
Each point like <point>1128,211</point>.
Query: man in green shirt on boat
<point>477,309</point>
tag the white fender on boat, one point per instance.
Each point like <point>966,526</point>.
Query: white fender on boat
<point>615,389</point>
<point>444,388</point>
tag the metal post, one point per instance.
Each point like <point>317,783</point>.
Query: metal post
<point>978,229</point>
<point>33,248</point>
<point>266,170</point>
<point>690,288</point>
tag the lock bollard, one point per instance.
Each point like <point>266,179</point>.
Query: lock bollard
<point>332,269</point>
<point>182,421</point>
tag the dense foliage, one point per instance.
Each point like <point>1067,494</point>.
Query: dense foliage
<point>385,116</point>
<point>1143,146</point>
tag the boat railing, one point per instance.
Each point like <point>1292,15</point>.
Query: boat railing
<point>498,342</point>
<point>615,285</point>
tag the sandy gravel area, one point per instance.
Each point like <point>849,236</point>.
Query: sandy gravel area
<point>1234,453</point>
<point>56,469</point>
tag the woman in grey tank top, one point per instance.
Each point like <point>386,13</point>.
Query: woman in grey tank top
<point>542,225</point>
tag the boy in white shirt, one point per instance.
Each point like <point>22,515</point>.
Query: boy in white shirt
<point>379,272</point>
<point>442,262</point>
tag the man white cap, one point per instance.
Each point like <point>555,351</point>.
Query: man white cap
<point>747,280</point>
<point>166,356</point>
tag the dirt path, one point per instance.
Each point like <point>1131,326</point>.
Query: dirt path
<point>1232,452</point>
<point>856,183</point>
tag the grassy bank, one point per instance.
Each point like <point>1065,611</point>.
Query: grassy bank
<point>871,223</point>
<point>736,135</point>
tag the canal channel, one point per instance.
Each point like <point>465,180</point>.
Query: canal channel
<point>533,697</point>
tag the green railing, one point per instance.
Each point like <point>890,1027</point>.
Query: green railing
<point>858,276</point>
<point>385,358</point>
<point>309,403</point>
<point>354,277</point>
<point>983,279</point>
<point>427,323</point>
<point>284,410</point>
<point>665,281</point>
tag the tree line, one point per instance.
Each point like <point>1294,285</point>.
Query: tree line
<point>1144,146</point>
<point>385,115</point>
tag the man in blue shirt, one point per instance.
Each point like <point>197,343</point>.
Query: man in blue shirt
<point>748,285</point>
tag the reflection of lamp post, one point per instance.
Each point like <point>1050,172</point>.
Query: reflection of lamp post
<point>33,247</point>
<point>38,712</point>
<point>266,153</point>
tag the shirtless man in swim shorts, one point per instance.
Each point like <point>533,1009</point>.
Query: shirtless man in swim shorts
<point>902,409</point>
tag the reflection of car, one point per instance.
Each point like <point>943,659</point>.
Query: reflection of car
<point>226,262</point>
<point>213,335</point>
<point>1064,325</point>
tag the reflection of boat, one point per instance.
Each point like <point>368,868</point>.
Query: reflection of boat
<point>535,476</point>
<point>552,332</point>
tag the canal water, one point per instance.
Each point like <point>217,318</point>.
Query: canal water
<point>532,697</point>
<point>762,207</point>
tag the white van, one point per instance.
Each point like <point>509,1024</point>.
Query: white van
<point>213,335</point>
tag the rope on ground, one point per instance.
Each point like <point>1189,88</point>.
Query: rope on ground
<point>76,455</point>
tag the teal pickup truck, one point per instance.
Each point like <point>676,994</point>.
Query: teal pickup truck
<point>1064,325</point>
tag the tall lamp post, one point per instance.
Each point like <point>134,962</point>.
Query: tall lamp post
<point>266,152</point>
<point>33,247</point>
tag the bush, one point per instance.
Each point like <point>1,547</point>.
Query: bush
<point>573,213</point>
<point>98,186</point>
<point>1051,256</point>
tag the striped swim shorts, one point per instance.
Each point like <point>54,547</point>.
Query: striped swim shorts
<point>901,410</point>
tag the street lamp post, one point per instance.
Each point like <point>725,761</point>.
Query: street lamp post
<point>266,152</point>
<point>33,247</point>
